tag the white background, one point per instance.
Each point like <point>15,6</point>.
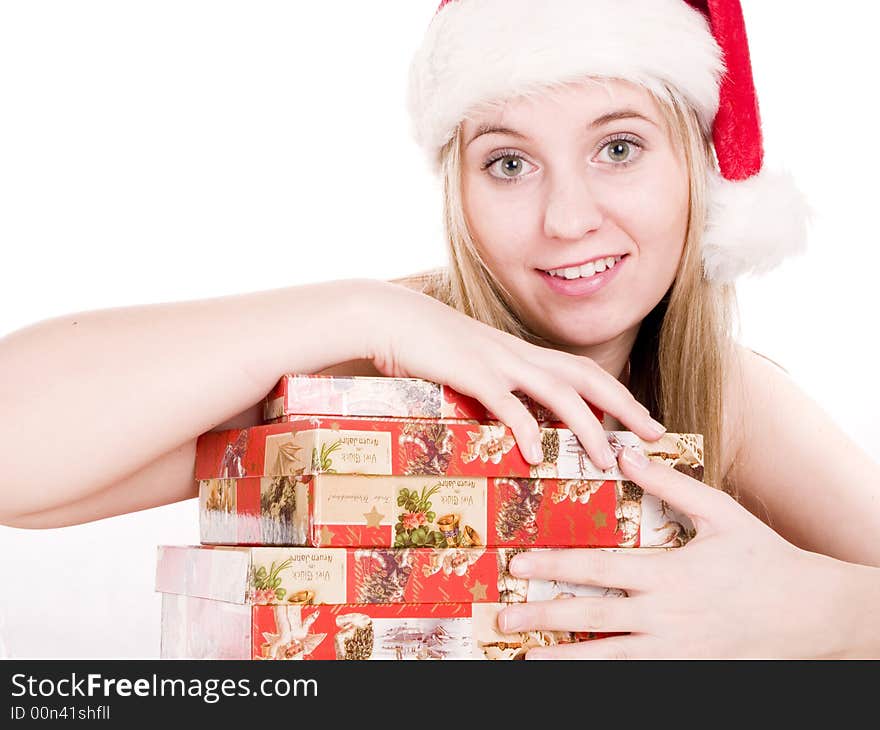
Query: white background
<point>159,151</point>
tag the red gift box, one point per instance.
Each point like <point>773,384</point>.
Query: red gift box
<point>335,510</point>
<point>309,445</point>
<point>199,628</point>
<point>326,576</point>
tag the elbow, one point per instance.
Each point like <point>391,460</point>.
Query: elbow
<point>24,514</point>
<point>49,520</point>
<point>34,521</point>
<point>31,505</point>
<point>18,510</point>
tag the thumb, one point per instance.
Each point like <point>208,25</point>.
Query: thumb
<point>684,493</point>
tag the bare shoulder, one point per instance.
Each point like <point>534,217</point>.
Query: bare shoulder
<point>420,282</point>
<point>747,390</point>
<point>794,467</point>
<point>733,418</point>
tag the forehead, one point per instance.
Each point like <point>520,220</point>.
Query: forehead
<point>580,102</point>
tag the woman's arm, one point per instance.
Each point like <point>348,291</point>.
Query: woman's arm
<point>101,410</point>
<point>100,400</point>
<point>800,473</point>
<point>168,479</point>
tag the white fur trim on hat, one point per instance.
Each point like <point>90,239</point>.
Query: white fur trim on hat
<point>479,51</point>
<point>752,225</point>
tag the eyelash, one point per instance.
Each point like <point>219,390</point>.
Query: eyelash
<point>503,154</point>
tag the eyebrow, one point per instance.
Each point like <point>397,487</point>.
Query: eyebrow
<point>598,122</point>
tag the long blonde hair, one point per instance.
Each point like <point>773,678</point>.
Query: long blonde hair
<point>685,344</point>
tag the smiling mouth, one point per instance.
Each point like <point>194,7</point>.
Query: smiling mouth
<point>585,271</point>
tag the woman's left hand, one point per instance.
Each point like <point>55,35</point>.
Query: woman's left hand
<point>737,589</point>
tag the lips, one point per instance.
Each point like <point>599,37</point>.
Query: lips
<point>584,263</point>
<point>585,270</point>
<point>582,286</point>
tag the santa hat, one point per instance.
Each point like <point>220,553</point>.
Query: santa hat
<point>481,51</point>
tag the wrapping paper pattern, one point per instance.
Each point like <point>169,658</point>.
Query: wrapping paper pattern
<point>335,510</point>
<point>312,576</point>
<point>199,628</point>
<point>359,396</point>
<point>311,445</point>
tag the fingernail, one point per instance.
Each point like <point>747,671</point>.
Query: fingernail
<point>658,427</point>
<point>635,458</point>
<point>607,458</point>
<point>510,619</point>
<point>520,566</point>
<point>536,453</point>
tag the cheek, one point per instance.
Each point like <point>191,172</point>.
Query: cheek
<point>502,225</point>
<point>654,214</point>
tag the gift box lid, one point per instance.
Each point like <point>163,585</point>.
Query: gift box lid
<point>366,396</point>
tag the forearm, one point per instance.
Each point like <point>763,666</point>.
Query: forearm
<point>89,399</point>
<point>861,593</point>
<point>163,481</point>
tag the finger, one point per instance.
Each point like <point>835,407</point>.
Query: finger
<point>632,570</point>
<point>584,613</point>
<point>698,500</point>
<point>606,392</point>
<point>496,396</point>
<point>636,646</point>
<point>508,409</point>
<point>568,405</point>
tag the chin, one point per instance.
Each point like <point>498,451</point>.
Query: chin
<point>584,336</point>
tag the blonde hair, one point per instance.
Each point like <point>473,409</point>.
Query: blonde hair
<point>684,345</point>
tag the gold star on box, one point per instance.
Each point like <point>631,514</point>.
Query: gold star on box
<point>599,519</point>
<point>478,591</point>
<point>374,517</point>
<point>326,535</point>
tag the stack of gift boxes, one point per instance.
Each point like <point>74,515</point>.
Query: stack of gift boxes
<point>375,518</point>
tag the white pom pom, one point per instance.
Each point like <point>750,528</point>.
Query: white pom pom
<point>753,225</point>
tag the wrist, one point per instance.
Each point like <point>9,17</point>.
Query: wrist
<point>363,312</point>
<point>309,328</point>
<point>352,326</point>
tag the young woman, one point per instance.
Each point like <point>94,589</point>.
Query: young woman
<point>593,250</point>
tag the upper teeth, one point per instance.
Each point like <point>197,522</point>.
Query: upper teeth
<point>581,272</point>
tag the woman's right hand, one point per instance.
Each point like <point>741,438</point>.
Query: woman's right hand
<point>420,337</point>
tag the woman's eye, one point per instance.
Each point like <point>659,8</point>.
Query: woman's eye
<point>619,151</point>
<point>508,167</point>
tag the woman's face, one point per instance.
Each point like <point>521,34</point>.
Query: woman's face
<point>582,173</point>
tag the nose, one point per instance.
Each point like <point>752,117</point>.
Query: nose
<point>572,209</point>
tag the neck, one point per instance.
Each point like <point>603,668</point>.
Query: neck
<point>611,356</point>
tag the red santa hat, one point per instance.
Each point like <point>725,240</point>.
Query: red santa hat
<point>481,51</point>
